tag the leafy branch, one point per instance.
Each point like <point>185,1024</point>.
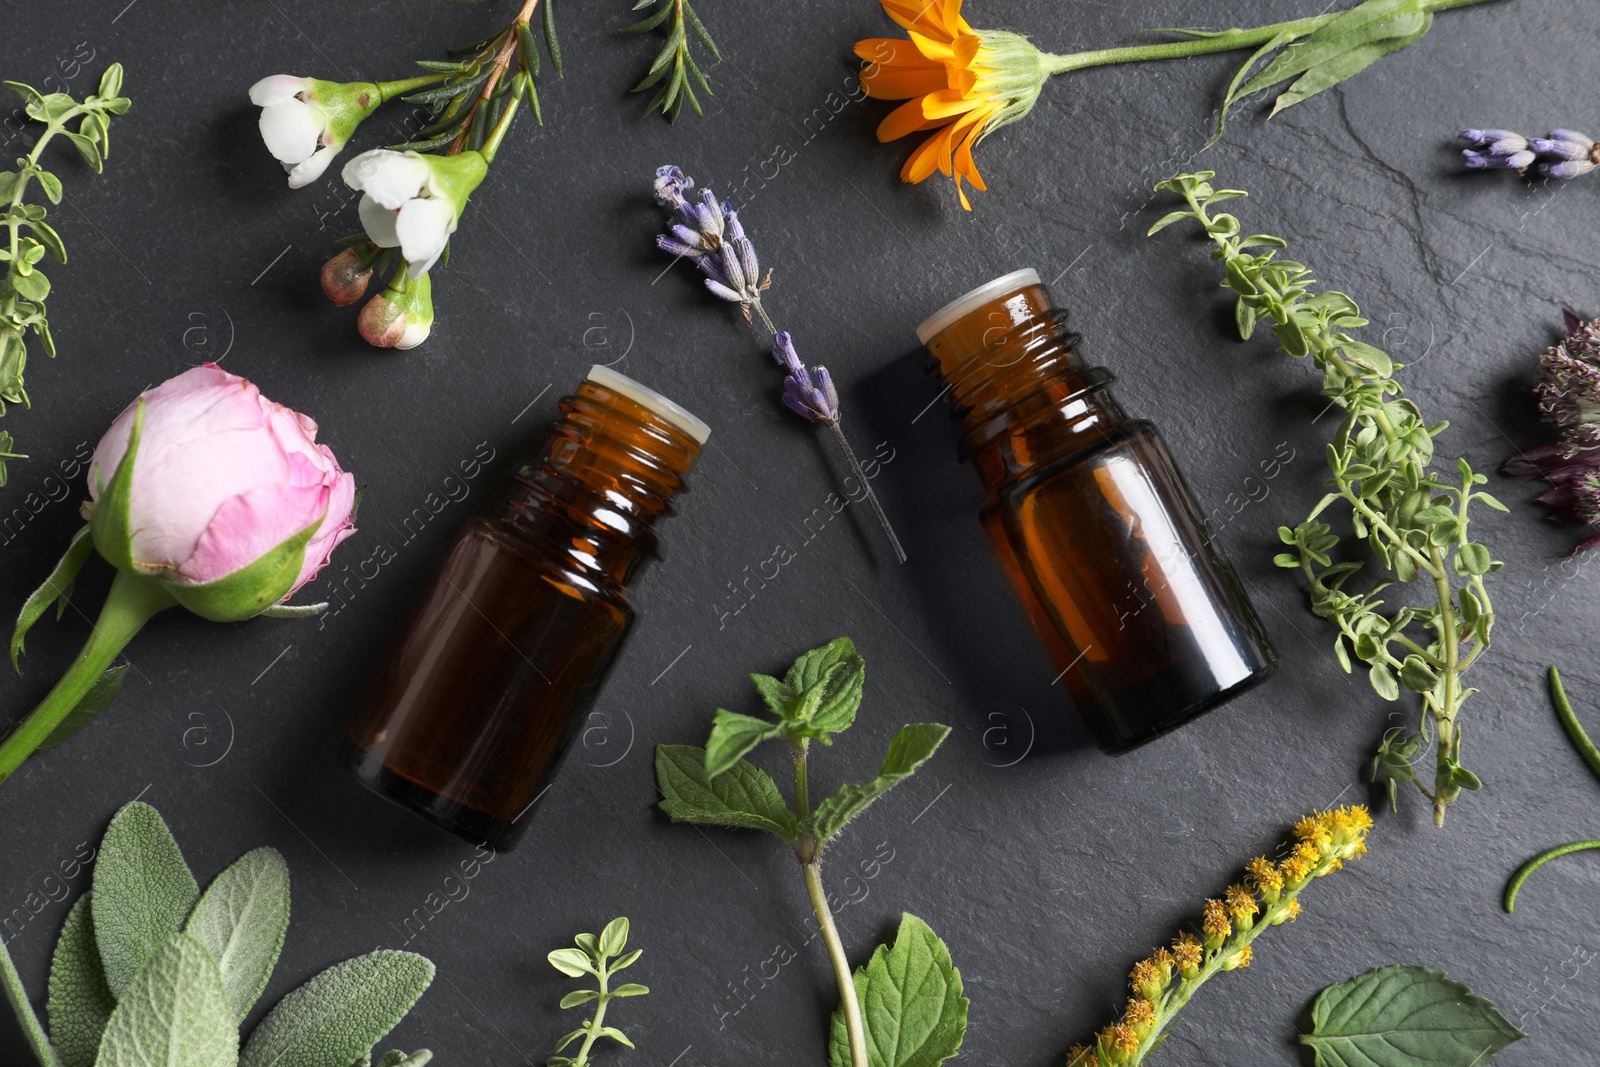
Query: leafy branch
<point>600,957</point>
<point>716,786</point>
<point>24,287</point>
<point>674,65</point>
<point>1413,519</point>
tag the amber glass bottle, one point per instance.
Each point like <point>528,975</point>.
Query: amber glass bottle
<point>1097,531</point>
<point>492,676</point>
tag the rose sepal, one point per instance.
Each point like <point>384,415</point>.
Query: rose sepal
<point>251,589</point>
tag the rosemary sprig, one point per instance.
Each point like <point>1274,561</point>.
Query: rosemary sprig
<point>1414,521</point>
<point>23,287</point>
<point>674,65</point>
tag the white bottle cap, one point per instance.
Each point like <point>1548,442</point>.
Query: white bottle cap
<point>1017,279</point>
<point>646,397</point>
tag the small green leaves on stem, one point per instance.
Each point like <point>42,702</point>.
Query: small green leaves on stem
<point>1412,518</point>
<point>912,992</point>
<point>1405,1017</point>
<point>601,957</point>
<point>674,66</point>
<point>28,238</point>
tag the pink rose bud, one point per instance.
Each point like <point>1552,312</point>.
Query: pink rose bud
<point>345,276</point>
<point>224,482</point>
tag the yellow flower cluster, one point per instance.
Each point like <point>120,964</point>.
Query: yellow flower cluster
<point>1164,982</point>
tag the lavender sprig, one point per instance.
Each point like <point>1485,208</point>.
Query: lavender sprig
<point>1568,391</point>
<point>1561,154</point>
<point>708,231</point>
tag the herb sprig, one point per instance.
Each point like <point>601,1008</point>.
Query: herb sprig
<point>149,969</point>
<point>601,957</point>
<point>674,65</point>
<point>1414,521</point>
<point>24,287</point>
<point>915,989</point>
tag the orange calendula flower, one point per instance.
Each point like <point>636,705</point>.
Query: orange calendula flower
<point>960,82</point>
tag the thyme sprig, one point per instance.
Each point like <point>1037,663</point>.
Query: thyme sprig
<point>1413,518</point>
<point>674,65</point>
<point>23,286</point>
<point>599,956</point>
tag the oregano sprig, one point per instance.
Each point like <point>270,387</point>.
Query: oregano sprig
<point>915,1008</point>
<point>1413,518</point>
<point>601,957</point>
<point>28,237</point>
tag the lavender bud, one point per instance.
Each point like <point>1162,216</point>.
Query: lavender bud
<point>1571,135</point>
<point>1573,168</point>
<point>671,185</point>
<point>830,395</point>
<point>747,261</point>
<point>676,248</point>
<point>1472,137</point>
<point>1519,161</point>
<point>1507,144</point>
<point>732,270</point>
<point>783,351</point>
<point>710,216</point>
<point>719,289</point>
<point>735,227</point>
<point>1561,149</point>
<point>712,268</point>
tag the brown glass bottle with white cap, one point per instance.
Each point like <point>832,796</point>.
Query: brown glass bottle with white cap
<point>493,675</point>
<point>1095,527</point>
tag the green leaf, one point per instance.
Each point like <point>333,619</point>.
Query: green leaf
<point>630,989</point>
<point>1417,676</point>
<point>579,997</point>
<point>744,796</point>
<point>1383,680</point>
<point>142,893</point>
<point>89,706</point>
<point>340,1014</point>
<point>174,1014</point>
<point>614,938</point>
<point>80,1001</point>
<point>911,1002</point>
<point>1331,72</point>
<point>52,187</point>
<point>572,962</point>
<point>1472,558</point>
<point>1405,1017</point>
<point>241,920</point>
<point>908,749</point>
<point>31,286</point>
<point>51,240</point>
<point>113,533</point>
<point>733,735</point>
<point>55,589</point>
<point>111,81</point>
<point>827,682</point>
<point>1362,25</point>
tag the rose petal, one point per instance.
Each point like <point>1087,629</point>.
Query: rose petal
<point>424,227</point>
<point>249,525</point>
<point>291,130</point>
<point>276,88</point>
<point>379,222</point>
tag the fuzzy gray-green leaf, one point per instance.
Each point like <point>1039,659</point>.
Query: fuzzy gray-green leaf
<point>143,891</point>
<point>1405,1017</point>
<point>242,920</point>
<point>338,1016</point>
<point>80,1001</point>
<point>174,1014</point>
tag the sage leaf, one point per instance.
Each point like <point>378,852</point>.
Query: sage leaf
<point>241,920</point>
<point>142,893</point>
<point>907,751</point>
<point>340,1014</point>
<point>89,706</point>
<point>80,1002</point>
<point>733,735</point>
<point>1401,1016</point>
<point>744,797</point>
<point>911,1002</point>
<point>173,1014</point>
<point>22,1009</point>
<point>56,589</point>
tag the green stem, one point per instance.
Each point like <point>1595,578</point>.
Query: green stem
<point>387,91</point>
<point>1538,861</point>
<point>130,604</point>
<point>51,128</point>
<point>27,1018</point>
<point>1569,719</point>
<point>491,144</point>
<point>1222,41</point>
<point>599,1017</point>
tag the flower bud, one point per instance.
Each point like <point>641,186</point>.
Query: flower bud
<point>345,276</point>
<point>401,316</point>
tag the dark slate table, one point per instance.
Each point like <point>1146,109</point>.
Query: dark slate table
<point>1048,872</point>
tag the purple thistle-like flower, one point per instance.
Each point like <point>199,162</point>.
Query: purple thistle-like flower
<point>1567,388</point>
<point>809,394</point>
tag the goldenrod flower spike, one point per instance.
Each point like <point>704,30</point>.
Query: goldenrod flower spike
<point>1268,895</point>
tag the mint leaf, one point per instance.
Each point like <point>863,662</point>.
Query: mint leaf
<point>744,796</point>
<point>907,751</point>
<point>89,706</point>
<point>241,920</point>
<point>828,681</point>
<point>55,590</point>
<point>173,1014</point>
<point>142,893</point>
<point>911,1002</point>
<point>732,735</point>
<point>80,1001</point>
<point>1405,1017</point>
<point>340,1014</point>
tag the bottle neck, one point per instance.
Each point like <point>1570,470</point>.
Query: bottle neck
<point>1023,395</point>
<point>590,499</point>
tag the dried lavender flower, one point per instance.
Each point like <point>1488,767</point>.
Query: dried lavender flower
<point>709,231</point>
<point>1567,389</point>
<point>1561,154</point>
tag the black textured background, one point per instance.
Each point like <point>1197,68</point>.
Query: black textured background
<point>1046,874</point>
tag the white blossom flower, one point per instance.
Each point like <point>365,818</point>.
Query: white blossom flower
<point>412,201</point>
<point>305,122</point>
